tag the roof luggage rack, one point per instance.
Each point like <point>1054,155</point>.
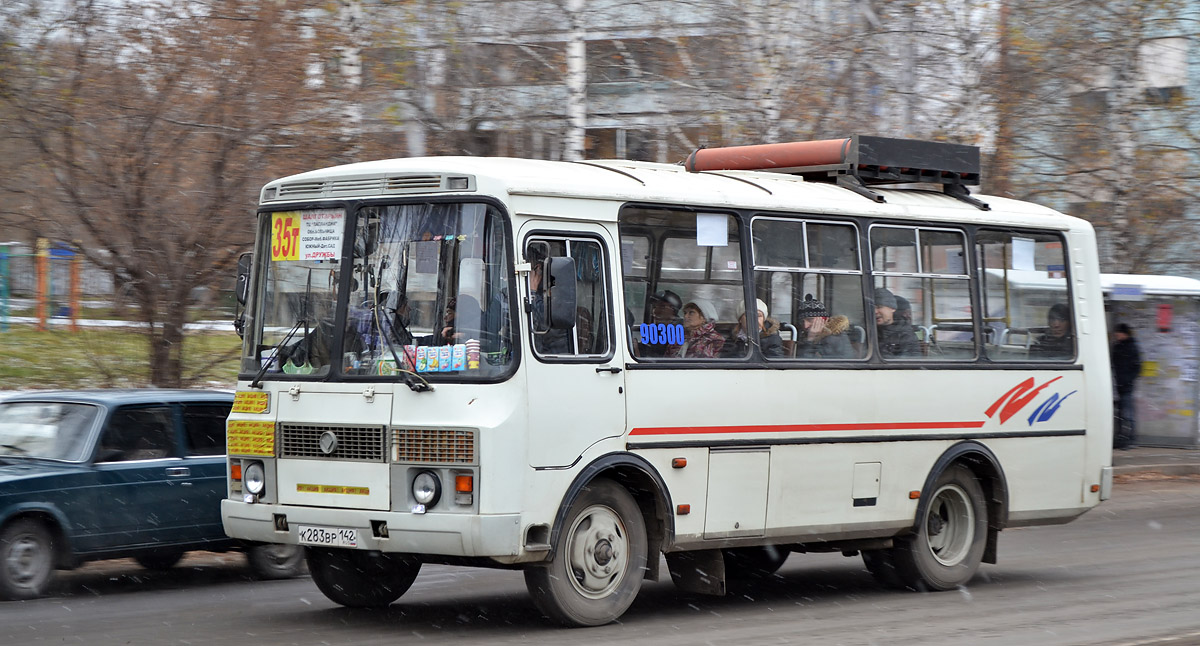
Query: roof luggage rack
<point>856,162</point>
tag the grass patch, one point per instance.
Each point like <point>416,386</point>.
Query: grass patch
<point>107,358</point>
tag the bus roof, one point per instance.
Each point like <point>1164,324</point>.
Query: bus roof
<point>632,181</point>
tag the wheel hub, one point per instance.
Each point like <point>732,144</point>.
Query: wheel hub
<point>603,553</point>
<point>23,558</point>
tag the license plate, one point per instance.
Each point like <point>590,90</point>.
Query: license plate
<point>332,536</point>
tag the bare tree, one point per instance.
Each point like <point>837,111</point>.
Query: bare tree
<point>153,125</point>
<point>1105,126</point>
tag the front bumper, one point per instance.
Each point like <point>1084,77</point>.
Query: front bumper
<point>495,536</point>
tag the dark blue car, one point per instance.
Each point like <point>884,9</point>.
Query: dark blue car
<point>87,475</point>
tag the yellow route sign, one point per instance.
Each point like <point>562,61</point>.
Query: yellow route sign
<point>250,437</point>
<point>251,402</point>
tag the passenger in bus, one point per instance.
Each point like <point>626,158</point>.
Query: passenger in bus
<point>769,341</point>
<point>824,336</point>
<point>700,337</point>
<point>664,309</point>
<point>461,321</point>
<point>1059,340</point>
<point>896,338</point>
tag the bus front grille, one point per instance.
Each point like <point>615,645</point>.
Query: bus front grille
<point>359,443</point>
<point>442,446</point>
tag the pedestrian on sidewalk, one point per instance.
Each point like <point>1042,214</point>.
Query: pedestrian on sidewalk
<point>1126,366</point>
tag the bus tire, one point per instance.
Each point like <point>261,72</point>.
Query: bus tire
<point>599,559</point>
<point>948,546</point>
<point>361,579</point>
<point>27,559</point>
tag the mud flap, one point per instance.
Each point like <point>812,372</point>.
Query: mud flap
<point>699,572</point>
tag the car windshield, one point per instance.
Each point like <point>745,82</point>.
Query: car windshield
<point>50,430</point>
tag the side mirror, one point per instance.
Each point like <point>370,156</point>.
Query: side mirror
<point>560,293</point>
<point>242,290</point>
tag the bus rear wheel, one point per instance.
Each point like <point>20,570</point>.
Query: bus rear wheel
<point>948,546</point>
<point>361,579</point>
<point>599,559</point>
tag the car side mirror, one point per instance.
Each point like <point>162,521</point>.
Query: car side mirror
<point>560,293</point>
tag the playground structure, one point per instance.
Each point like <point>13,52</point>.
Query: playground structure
<point>48,277</point>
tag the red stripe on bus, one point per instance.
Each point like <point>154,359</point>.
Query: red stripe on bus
<point>804,428</point>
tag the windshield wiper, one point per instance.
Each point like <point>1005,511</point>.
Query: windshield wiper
<point>415,382</point>
<point>300,320</point>
<point>257,383</point>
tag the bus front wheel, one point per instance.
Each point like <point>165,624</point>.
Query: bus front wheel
<point>599,559</point>
<point>948,546</point>
<point>361,579</point>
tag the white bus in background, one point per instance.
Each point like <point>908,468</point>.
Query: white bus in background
<point>466,361</point>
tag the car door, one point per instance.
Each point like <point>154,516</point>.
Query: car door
<point>201,476</point>
<point>138,500</point>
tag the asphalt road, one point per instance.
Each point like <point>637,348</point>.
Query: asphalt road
<point>1126,573</point>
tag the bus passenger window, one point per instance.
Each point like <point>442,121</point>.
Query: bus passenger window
<point>1027,307</point>
<point>677,264</point>
<point>922,294</point>
<point>808,276</point>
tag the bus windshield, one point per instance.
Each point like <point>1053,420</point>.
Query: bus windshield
<point>428,293</point>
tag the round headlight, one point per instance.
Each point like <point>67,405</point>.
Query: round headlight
<point>427,488</point>
<point>254,478</point>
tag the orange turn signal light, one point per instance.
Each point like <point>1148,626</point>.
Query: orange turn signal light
<point>683,510</point>
<point>464,484</point>
<point>235,471</point>
<point>678,463</point>
<point>913,495</point>
<point>1095,488</point>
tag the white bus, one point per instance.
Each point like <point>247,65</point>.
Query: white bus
<point>540,365</point>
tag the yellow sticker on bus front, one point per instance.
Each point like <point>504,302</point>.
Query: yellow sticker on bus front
<point>285,236</point>
<point>251,402</point>
<point>250,437</point>
<point>351,491</point>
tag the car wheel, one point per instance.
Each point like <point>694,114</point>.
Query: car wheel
<point>159,559</point>
<point>271,561</point>
<point>360,579</point>
<point>26,559</point>
<point>948,546</point>
<point>599,559</point>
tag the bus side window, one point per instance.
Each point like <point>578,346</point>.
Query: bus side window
<point>675,262</point>
<point>922,293</point>
<point>809,275</point>
<point>1023,287</point>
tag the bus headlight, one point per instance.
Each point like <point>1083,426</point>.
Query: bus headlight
<point>254,478</point>
<point>427,488</point>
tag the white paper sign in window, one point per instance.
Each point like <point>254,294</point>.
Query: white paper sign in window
<point>712,230</point>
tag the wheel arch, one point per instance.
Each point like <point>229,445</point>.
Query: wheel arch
<point>983,463</point>
<point>53,520</point>
<point>643,482</point>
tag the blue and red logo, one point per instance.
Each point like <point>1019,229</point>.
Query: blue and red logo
<point>1021,395</point>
